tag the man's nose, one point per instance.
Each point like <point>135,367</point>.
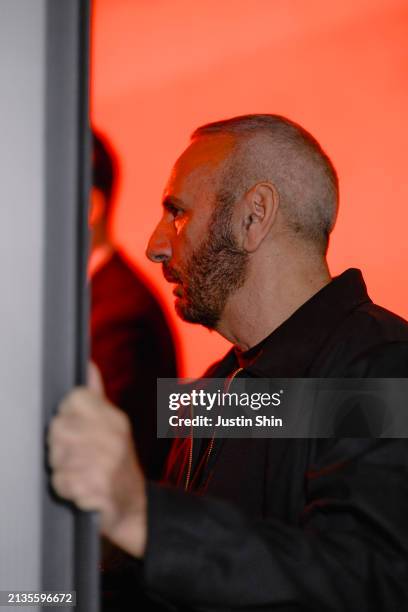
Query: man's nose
<point>159,245</point>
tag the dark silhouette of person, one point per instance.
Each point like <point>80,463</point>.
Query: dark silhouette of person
<point>132,346</point>
<point>131,342</point>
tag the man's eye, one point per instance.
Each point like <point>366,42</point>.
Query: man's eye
<point>176,212</point>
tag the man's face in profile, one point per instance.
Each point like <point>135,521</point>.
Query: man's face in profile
<point>195,239</point>
<point>97,213</point>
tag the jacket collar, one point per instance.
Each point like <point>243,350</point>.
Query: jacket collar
<point>290,349</point>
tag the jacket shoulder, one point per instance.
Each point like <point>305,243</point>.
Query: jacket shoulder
<point>371,341</point>
<point>383,321</point>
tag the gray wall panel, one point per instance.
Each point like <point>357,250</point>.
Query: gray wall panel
<point>22,157</point>
<point>44,177</point>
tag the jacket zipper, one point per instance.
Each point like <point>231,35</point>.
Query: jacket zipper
<point>211,445</point>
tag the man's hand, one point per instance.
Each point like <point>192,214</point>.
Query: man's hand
<point>95,466</point>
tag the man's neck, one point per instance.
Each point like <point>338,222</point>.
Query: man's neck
<point>100,254</point>
<point>266,301</point>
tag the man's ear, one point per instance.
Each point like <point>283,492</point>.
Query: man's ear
<point>260,206</point>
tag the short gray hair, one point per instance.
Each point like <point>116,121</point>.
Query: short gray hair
<point>276,149</point>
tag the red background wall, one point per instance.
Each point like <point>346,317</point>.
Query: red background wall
<point>160,68</point>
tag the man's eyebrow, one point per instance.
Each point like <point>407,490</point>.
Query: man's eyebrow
<point>170,201</point>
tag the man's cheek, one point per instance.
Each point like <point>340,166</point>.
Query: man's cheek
<point>180,223</point>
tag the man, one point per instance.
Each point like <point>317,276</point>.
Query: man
<point>131,342</point>
<point>273,524</point>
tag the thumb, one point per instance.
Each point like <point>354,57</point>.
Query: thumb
<point>94,379</point>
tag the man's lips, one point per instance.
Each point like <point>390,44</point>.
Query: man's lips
<point>171,276</point>
<point>178,291</point>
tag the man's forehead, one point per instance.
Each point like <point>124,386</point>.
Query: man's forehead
<point>209,150</point>
<point>203,156</point>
